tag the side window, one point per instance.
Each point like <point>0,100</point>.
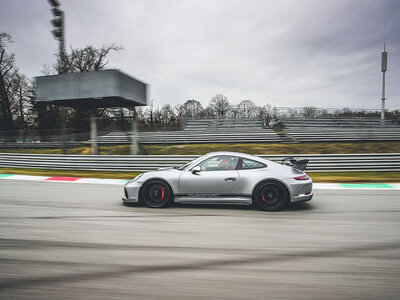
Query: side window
<point>219,163</point>
<point>251,164</point>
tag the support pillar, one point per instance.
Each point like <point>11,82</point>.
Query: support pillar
<point>93,132</point>
<point>63,130</point>
<point>134,143</point>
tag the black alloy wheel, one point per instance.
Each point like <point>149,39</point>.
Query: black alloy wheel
<point>271,196</point>
<point>157,194</point>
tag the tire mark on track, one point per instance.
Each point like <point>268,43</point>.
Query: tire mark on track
<point>19,244</point>
<point>137,270</point>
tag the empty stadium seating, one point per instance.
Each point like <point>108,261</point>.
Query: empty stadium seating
<point>202,131</point>
<point>223,124</point>
<point>340,129</point>
<point>251,131</point>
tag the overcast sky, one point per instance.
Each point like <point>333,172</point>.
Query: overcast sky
<point>286,53</point>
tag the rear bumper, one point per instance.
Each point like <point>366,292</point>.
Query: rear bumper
<point>302,197</point>
<point>301,190</point>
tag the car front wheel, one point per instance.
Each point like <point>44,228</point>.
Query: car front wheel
<point>271,196</point>
<point>157,194</point>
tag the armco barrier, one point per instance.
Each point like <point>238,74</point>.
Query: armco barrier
<point>318,162</point>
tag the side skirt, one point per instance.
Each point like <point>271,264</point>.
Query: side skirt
<point>220,199</point>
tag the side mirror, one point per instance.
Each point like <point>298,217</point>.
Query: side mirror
<point>196,170</point>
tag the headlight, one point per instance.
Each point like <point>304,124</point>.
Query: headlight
<point>136,178</point>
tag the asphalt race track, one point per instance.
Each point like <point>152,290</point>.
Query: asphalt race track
<point>78,241</point>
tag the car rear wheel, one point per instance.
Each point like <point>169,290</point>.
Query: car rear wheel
<point>271,196</point>
<point>157,194</point>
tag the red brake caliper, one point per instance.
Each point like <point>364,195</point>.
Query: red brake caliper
<point>262,196</point>
<point>162,193</point>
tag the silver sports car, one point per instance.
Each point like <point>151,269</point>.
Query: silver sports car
<point>224,177</point>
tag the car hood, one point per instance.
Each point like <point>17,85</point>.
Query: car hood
<point>164,169</point>
<point>163,173</point>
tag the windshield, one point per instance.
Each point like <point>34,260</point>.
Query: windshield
<point>187,165</point>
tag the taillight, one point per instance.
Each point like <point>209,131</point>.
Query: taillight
<point>302,177</point>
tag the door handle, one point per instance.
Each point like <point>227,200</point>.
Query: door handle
<point>230,179</point>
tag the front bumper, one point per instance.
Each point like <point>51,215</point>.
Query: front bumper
<point>131,192</point>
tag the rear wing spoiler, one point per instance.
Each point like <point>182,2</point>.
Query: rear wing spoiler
<point>300,164</point>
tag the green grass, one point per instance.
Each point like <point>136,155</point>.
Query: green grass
<point>263,148</point>
<point>353,177</point>
<point>281,148</point>
<point>105,150</point>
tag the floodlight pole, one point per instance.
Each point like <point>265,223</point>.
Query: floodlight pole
<point>383,69</point>
<point>62,37</point>
<point>59,35</point>
<point>63,109</point>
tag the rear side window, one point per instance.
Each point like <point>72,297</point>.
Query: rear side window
<point>246,164</point>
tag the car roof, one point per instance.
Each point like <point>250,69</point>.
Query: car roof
<point>244,155</point>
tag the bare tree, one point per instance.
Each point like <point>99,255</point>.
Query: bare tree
<point>323,113</point>
<point>309,111</point>
<point>168,118</point>
<point>15,90</point>
<point>191,109</point>
<point>21,99</point>
<point>233,111</point>
<point>87,59</point>
<point>247,109</point>
<point>220,105</point>
<point>209,112</point>
<point>292,112</point>
<point>140,116</point>
<point>346,111</point>
<point>267,113</point>
<point>151,113</point>
<point>7,65</point>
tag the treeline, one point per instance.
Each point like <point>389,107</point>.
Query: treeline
<point>16,91</point>
<point>219,107</point>
<point>315,112</point>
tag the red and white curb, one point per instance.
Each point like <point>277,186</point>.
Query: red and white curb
<point>317,186</point>
<point>63,179</point>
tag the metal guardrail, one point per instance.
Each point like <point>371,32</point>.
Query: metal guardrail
<point>318,162</point>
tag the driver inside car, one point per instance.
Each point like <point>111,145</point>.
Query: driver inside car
<point>227,164</point>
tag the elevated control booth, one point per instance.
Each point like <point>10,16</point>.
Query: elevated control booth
<point>106,88</point>
<point>92,90</point>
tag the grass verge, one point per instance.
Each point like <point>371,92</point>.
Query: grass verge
<point>265,148</point>
<point>281,148</point>
<point>353,177</point>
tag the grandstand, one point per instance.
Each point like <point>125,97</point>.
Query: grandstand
<point>202,131</point>
<point>340,129</point>
<point>252,131</point>
<point>223,124</point>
